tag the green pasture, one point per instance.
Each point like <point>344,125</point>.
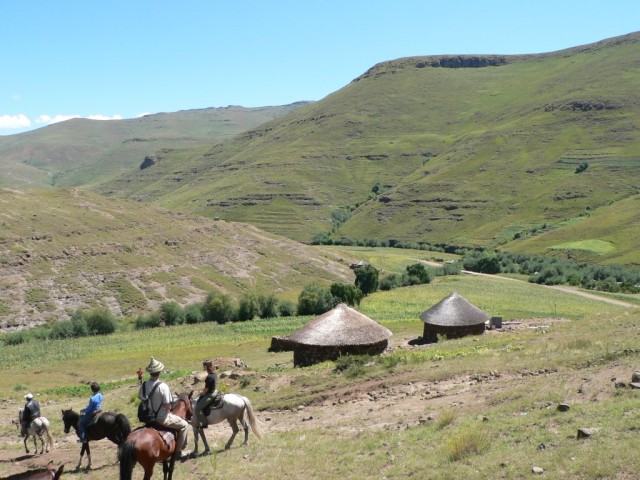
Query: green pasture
<point>583,340</point>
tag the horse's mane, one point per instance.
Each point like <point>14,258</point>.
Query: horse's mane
<point>28,474</point>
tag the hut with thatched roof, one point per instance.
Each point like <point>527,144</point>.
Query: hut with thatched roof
<point>453,317</point>
<point>340,331</point>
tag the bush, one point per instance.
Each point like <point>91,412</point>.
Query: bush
<point>268,306</point>
<point>389,282</point>
<point>248,307</point>
<point>151,320</point>
<point>62,329</point>
<point>416,274</point>
<point>193,313</point>
<point>314,300</point>
<point>367,279</point>
<point>286,308</point>
<point>171,313</point>
<point>346,293</point>
<point>100,321</point>
<point>14,338</point>
<point>219,307</point>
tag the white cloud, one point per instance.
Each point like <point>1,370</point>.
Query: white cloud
<point>104,117</point>
<point>14,121</point>
<point>16,97</point>
<point>48,120</point>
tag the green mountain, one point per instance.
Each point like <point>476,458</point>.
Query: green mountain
<point>85,152</point>
<point>490,150</point>
<point>62,250</point>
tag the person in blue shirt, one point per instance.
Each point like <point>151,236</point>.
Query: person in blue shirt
<point>95,404</point>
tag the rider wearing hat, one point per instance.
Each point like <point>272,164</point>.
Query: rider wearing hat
<point>30,413</point>
<point>161,402</point>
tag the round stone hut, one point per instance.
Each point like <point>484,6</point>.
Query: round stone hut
<point>453,317</point>
<point>340,331</point>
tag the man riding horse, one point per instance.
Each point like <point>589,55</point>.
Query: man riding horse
<point>30,413</point>
<point>161,400</point>
<point>209,394</point>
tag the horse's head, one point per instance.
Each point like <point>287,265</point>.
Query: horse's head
<point>70,418</point>
<point>183,407</point>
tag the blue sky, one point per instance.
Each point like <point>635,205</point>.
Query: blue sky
<point>123,58</point>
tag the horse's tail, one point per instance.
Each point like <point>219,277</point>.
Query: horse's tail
<point>253,421</point>
<point>127,458</point>
<point>47,430</point>
<point>123,428</point>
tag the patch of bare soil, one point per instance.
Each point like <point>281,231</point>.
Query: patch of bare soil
<point>396,402</point>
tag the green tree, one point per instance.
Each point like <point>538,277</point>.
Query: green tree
<point>315,299</point>
<point>171,313</point>
<point>367,279</point>
<point>219,307</point>
<point>346,293</point>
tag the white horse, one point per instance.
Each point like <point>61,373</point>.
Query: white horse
<point>232,410</point>
<point>36,428</point>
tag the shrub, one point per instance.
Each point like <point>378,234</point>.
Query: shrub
<point>100,321</point>
<point>268,306</point>
<point>346,293</point>
<point>247,307</point>
<point>389,282</point>
<point>193,313</point>
<point>464,444</point>
<point>14,338</point>
<point>367,279</point>
<point>286,308</point>
<point>171,313</point>
<point>416,274</point>
<point>151,320</point>
<point>62,329</point>
<point>314,300</point>
<point>219,307</point>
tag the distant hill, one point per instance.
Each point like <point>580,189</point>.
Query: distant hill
<point>61,250</point>
<point>481,150</point>
<point>85,152</point>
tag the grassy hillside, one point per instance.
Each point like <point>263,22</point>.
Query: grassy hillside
<point>466,150</point>
<point>61,250</point>
<point>84,152</point>
<point>479,407</point>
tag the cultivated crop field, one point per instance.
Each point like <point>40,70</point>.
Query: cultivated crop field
<point>479,407</point>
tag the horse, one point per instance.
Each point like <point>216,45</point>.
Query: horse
<point>49,474</point>
<point>146,445</point>
<point>113,426</point>
<point>232,410</point>
<point>36,428</point>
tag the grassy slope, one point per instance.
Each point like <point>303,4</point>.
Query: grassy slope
<point>468,155</point>
<point>494,431</point>
<point>86,152</point>
<point>61,250</point>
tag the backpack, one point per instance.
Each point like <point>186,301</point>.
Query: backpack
<point>145,411</point>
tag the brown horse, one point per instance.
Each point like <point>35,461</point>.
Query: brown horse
<point>49,474</point>
<point>146,445</point>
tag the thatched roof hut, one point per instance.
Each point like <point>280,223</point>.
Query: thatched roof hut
<point>454,317</point>
<point>340,331</point>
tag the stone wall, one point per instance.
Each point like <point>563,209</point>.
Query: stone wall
<point>431,332</point>
<point>305,355</point>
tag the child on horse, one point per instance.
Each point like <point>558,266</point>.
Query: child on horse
<point>209,394</point>
<point>95,405</point>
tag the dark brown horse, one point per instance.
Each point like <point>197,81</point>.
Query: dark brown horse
<point>146,445</point>
<point>49,474</point>
<point>109,425</point>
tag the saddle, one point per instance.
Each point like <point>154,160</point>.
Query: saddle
<point>216,403</point>
<point>94,418</point>
<point>168,435</point>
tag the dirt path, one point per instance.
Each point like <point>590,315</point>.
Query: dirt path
<point>565,289</point>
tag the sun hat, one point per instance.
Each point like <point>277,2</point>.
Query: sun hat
<point>154,366</point>
<point>29,396</point>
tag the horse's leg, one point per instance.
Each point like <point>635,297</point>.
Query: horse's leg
<point>172,463</point>
<point>88,453</point>
<point>245,426</point>
<point>41,444</point>
<point>26,448</point>
<point>207,450</point>
<point>234,426</point>
<point>196,431</point>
